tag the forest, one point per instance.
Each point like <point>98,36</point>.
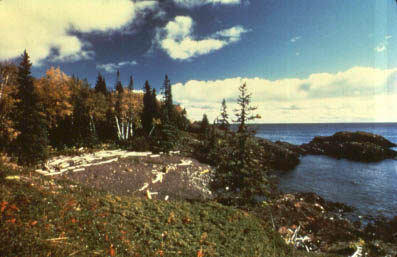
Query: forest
<point>61,112</point>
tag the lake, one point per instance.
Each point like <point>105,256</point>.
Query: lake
<point>371,188</point>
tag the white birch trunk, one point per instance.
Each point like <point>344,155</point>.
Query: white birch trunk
<point>118,127</point>
<point>92,125</point>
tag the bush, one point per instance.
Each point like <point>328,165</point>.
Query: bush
<point>240,175</point>
<point>166,138</point>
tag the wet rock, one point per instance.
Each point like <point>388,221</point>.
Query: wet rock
<point>278,156</point>
<point>357,146</point>
<point>324,224</point>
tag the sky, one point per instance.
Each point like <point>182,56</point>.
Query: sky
<point>304,61</point>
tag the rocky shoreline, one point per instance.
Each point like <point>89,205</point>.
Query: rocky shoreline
<point>321,225</point>
<point>303,219</point>
<point>356,146</point>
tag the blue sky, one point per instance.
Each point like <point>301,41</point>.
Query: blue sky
<point>304,60</point>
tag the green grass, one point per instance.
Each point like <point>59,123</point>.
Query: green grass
<point>43,217</point>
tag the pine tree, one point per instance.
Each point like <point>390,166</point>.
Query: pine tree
<point>131,84</point>
<point>224,120</point>
<point>118,86</point>
<point>31,144</point>
<point>100,85</point>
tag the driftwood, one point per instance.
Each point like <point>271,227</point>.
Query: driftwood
<point>62,164</point>
<point>358,252</point>
<point>298,241</point>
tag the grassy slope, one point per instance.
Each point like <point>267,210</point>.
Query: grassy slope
<point>42,217</point>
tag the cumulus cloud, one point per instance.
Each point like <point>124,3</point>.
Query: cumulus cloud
<point>45,27</point>
<point>383,45</point>
<point>195,3</point>
<point>113,67</point>
<point>357,94</point>
<point>178,41</point>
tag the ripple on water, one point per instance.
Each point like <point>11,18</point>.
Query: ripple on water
<point>371,188</point>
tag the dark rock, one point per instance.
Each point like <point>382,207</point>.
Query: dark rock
<point>328,229</point>
<point>357,146</point>
<point>384,230</point>
<point>281,157</point>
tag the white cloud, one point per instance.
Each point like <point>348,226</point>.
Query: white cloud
<point>195,3</point>
<point>357,94</point>
<point>232,34</point>
<point>177,41</point>
<point>45,27</point>
<point>381,47</point>
<point>294,39</point>
<point>113,67</point>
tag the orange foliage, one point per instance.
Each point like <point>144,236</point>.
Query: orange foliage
<point>200,253</point>
<point>55,93</point>
<point>3,205</point>
<point>112,251</point>
<point>8,88</point>
<point>97,106</point>
<point>131,105</point>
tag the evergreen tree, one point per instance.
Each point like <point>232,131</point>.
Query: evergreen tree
<point>244,113</point>
<point>224,120</point>
<point>155,105</point>
<point>131,84</point>
<point>147,114</point>
<point>31,144</point>
<point>204,128</point>
<point>182,120</point>
<point>100,85</point>
<point>82,131</point>
<point>118,86</point>
<point>169,114</point>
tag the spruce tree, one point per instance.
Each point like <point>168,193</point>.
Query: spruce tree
<point>244,113</point>
<point>147,114</point>
<point>204,128</point>
<point>169,110</point>
<point>131,84</point>
<point>31,143</point>
<point>118,86</point>
<point>224,120</point>
<point>100,85</point>
<point>155,105</point>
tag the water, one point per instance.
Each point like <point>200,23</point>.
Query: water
<point>369,187</point>
<point>304,133</point>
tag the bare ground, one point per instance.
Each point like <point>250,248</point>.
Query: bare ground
<point>182,178</point>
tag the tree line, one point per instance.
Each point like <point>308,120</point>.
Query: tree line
<point>62,111</point>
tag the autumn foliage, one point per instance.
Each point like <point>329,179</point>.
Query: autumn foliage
<point>66,111</point>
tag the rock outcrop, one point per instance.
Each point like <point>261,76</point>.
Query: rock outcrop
<point>357,146</point>
<point>278,156</point>
<point>320,225</point>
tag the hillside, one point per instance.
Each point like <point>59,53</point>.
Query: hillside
<point>41,216</point>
